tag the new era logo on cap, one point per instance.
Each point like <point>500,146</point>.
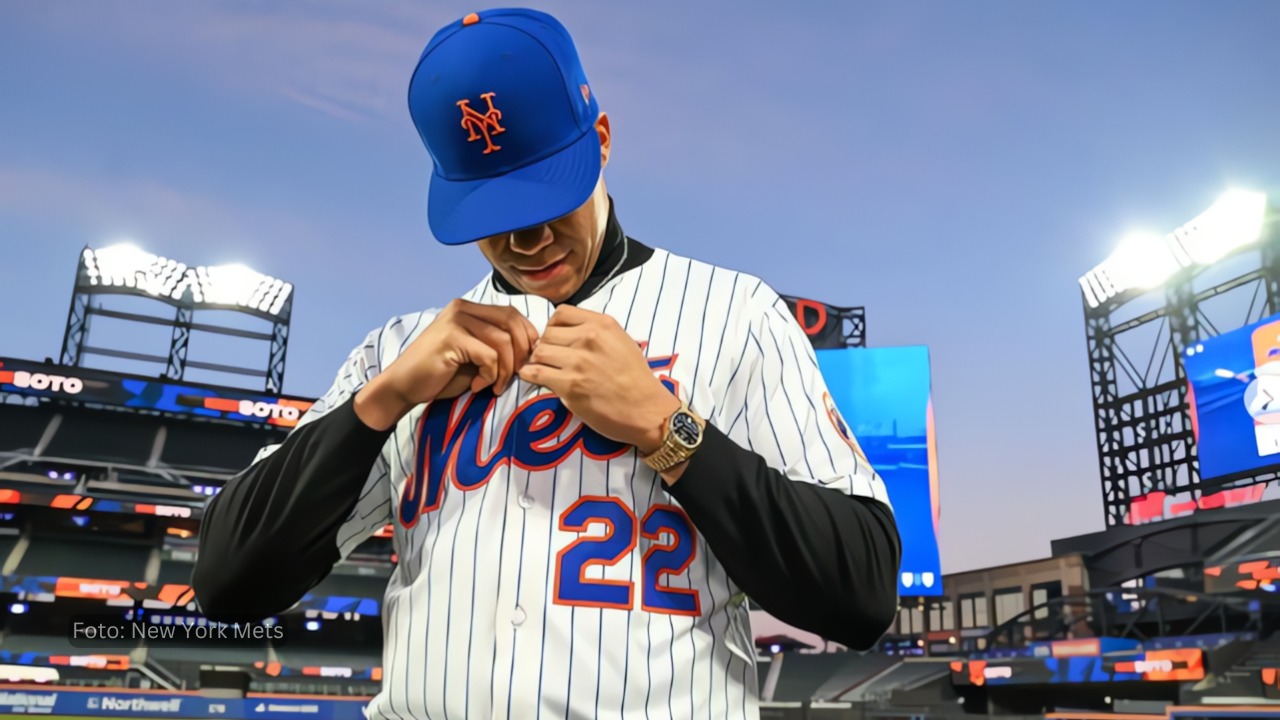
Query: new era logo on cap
<point>505,111</point>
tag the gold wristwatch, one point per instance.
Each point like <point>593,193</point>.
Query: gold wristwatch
<point>684,435</point>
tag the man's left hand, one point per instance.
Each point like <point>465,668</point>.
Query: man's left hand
<point>602,376</point>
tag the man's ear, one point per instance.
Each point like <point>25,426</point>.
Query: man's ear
<point>602,129</point>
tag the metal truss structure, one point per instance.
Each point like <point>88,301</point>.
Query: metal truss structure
<point>853,326</point>
<point>164,282</point>
<point>1143,422</point>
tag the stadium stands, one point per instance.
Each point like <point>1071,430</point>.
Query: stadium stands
<point>906,675</point>
<point>852,671</point>
<point>175,572</point>
<point>104,437</point>
<point>101,559</point>
<point>339,584</point>
<point>802,674</point>
<point>22,426</point>
<point>210,447</point>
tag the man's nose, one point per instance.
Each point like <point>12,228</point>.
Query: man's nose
<point>532,240</point>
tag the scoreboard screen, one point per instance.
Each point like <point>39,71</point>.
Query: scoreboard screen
<point>1235,398</point>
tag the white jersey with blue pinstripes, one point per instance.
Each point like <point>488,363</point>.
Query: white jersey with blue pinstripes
<point>543,570</point>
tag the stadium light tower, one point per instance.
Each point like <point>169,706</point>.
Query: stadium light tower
<point>125,269</point>
<point>1146,261</point>
<point>1145,433</point>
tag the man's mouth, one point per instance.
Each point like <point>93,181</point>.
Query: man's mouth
<point>542,272</point>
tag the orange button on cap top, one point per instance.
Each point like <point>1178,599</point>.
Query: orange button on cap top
<point>471,19</point>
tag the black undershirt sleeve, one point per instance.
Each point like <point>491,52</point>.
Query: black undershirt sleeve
<point>814,558</point>
<point>279,519</point>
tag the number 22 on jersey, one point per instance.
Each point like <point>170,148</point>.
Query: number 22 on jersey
<point>674,545</point>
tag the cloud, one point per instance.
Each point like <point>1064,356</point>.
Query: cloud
<point>353,66</point>
<point>169,220</point>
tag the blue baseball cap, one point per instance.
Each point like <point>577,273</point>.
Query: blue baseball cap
<point>504,108</point>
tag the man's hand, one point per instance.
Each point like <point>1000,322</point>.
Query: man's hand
<point>466,347</point>
<point>602,377</point>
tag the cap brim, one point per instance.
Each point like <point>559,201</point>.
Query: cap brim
<point>464,212</point>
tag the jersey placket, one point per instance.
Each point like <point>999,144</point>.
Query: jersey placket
<point>525,559</point>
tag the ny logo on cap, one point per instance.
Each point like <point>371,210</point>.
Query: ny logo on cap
<point>483,125</point>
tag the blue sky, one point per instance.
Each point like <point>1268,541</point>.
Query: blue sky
<point>953,167</point>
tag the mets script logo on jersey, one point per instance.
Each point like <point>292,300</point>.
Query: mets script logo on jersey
<point>482,125</point>
<point>537,436</point>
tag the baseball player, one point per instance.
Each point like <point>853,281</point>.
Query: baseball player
<point>590,459</point>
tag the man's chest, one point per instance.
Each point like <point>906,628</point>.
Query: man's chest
<point>457,446</point>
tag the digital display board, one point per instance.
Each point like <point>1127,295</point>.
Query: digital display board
<point>1235,398</point>
<point>83,385</point>
<point>885,396</point>
<point>1171,665</point>
<point>128,703</point>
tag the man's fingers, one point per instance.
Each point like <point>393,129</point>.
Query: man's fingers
<point>484,357</point>
<point>563,335</point>
<point>497,315</point>
<point>568,315</point>
<point>556,356</point>
<point>545,376</point>
<point>523,335</point>
<point>500,341</point>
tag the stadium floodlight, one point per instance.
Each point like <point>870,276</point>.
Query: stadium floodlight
<point>1144,262</point>
<point>238,285</point>
<point>1234,221</point>
<point>126,266</point>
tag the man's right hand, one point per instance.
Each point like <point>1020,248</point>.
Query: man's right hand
<point>467,346</point>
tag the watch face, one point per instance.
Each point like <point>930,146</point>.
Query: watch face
<point>685,429</point>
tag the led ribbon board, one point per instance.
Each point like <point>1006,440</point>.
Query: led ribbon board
<point>1172,665</point>
<point>85,386</point>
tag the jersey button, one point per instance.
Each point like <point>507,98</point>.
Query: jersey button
<point>525,502</point>
<point>517,617</point>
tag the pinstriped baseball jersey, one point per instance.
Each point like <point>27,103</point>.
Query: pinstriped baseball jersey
<point>544,572</point>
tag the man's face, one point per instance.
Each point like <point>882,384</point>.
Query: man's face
<point>553,260</point>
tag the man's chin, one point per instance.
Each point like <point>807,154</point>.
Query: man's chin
<point>553,292</point>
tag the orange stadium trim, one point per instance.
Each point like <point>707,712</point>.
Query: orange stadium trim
<point>1247,568</point>
<point>68,587</point>
<point>1173,711</point>
<point>64,502</point>
<point>222,404</point>
<point>1102,716</point>
<point>92,662</point>
<point>175,595</point>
